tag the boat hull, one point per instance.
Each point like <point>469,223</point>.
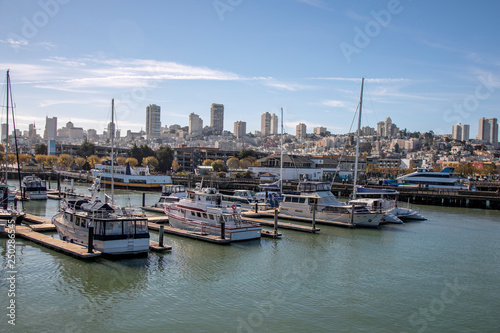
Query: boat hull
<point>358,219</point>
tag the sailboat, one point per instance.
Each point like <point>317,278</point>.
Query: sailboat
<point>316,199</point>
<point>7,213</point>
<point>116,230</point>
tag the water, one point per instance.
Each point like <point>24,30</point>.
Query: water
<point>440,275</point>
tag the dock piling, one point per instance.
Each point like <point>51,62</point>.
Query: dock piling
<point>275,220</point>
<point>160,237</point>
<point>314,214</point>
<point>143,199</point>
<point>222,228</point>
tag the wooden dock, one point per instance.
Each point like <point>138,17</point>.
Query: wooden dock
<point>72,249</point>
<point>157,219</point>
<point>153,209</point>
<point>189,234</point>
<point>46,227</point>
<point>289,226</point>
<point>155,246</point>
<point>270,234</point>
<point>36,219</point>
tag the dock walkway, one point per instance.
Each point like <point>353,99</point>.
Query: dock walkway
<point>289,226</point>
<point>189,234</point>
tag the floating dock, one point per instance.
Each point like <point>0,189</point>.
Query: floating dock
<point>56,244</point>
<point>153,209</point>
<point>36,219</point>
<point>155,246</point>
<point>289,226</point>
<point>270,234</point>
<point>189,234</point>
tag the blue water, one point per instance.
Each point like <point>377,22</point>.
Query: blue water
<point>440,275</point>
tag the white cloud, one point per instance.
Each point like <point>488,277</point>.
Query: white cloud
<point>316,3</point>
<point>15,43</point>
<point>334,103</point>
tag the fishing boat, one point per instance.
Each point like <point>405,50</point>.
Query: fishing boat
<point>171,193</point>
<point>116,231</point>
<point>316,198</point>
<point>34,188</point>
<point>203,211</point>
<point>127,177</point>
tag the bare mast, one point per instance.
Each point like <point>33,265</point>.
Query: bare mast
<point>112,134</point>
<point>357,140</point>
<point>7,131</point>
<point>281,154</point>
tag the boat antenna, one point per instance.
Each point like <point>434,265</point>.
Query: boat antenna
<point>281,154</point>
<point>112,134</point>
<point>357,140</point>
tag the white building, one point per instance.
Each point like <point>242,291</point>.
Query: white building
<point>217,118</point>
<point>460,132</point>
<point>153,122</point>
<point>195,123</point>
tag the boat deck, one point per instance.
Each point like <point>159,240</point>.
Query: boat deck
<point>189,234</point>
<point>289,226</point>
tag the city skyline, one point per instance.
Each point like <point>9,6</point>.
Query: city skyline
<point>68,60</point>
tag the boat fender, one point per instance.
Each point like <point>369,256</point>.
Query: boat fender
<point>233,207</point>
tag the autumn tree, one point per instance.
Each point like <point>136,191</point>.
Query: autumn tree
<point>247,162</point>
<point>132,161</point>
<point>151,160</point>
<point>120,160</point>
<point>40,158</point>
<point>25,158</point>
<point>51,160</point>
<point>207,162</point>
<point>233,163</point>
<point>66,160</point>
<point>93,160</point>
<point>80,161</point>
<point>219,166</point>
<point>175,165</point>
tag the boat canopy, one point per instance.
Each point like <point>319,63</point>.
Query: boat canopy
<point>308,187</point>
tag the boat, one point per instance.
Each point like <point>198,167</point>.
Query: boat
<point>425,178</point>
<point>171,193</point>
<point>116,231</point>
<point>316,198</point>
<point>385,201</point>
<point>127,177</point>
<point>202,211</point>
<point>33,188</point>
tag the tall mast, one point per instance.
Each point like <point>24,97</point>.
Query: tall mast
<point>357,140</point>
<point>7,131</point>
<point>112,130</point>
<point>281,154</point>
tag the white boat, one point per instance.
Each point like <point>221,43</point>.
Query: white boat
<point>424,178</point>
<point>317,198</point>
<point>132,178</point>
<point>33,188</point>
<point>385,201</point>
<point>117,231</point>
<point>203,210</point>
<point>171,193</point>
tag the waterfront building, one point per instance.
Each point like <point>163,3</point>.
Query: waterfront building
<point>195,123</point>
<point>50,128</point>
<point>301,131</point>
<point>240,129</point>
<point>265,124</point>
<point>488,130</point>
<point>217,118</point>
<point>460,132</point>
<point>153,122</point>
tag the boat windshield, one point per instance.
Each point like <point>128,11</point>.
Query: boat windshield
<point>314,187</point>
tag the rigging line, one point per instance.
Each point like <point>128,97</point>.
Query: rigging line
<point>345,144</point>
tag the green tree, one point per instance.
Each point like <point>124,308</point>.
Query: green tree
<point>165,157</point>
<point>247,153</point>
<point>219,166</point>
<point>86,149</point>
<point>140,152</point>
<point>41,149</point>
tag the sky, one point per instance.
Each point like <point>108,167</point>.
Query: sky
<point>427,64</point>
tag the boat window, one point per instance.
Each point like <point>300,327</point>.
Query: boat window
<point>288,199</point>
<point>302,200</point>
<point>193,214</point>
<point>295,199</point>
<point>198,214</point>
<point>113,228</point>
<point>211,216</point>
<point>141,226</point>
<point>99,228</point>
<point>77,221</point>
<point>128,227</point>
<point>204,215</point>
<point>84,223</point>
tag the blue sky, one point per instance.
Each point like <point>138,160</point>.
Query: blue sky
<point>427,64</point>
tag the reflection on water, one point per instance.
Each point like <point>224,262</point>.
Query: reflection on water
<point>340,279</point>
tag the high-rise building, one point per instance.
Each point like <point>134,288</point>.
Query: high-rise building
<point>301,131</point>
<point>460,132</point>
<point>111,131</point>
<point>217,118</point>
<point>319,130</point>
<point>195,123</point>
<point>265,124</point>
<point>240,129</point>
<point>50,128</point>
<point>488,130</point>
<point>153,122</point>
<point>274,124</point>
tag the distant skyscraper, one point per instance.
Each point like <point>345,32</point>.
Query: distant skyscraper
<point>217,118</point>
<point>265,124</point>
<point>111,131</point>
<point>460,132</point>
<point>319,130</point>
<point>91,134</point>
<point>50,128</point>
<point>488,130</point>
<point>240,129</point>
<point>274,124</point>
<point>153,122</point>
<point>195,123</point>
<point>301,131</point>
<point>4,132</point>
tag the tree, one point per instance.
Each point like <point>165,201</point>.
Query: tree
<point>247,153</point>
<point>140,152</point>
<point>25,158</point>
<point>151,161</point>
<point>165,157</point>
<point>120,160</point>
<point>207,162</point>
<point>51,160</point>
<point>80,162</point>
<point>219,166</point>
<point>86,149</point>
<point>247,162</point>
<point>132,161</point>
<point>233,163</point>
<point>93,160</point>
<point>66,160</point>
<point>175,165</point>
<point>41,158</point>
<point>41,149</point>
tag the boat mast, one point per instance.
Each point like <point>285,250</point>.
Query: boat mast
<point>7,131</point>
<point>357,140</point>
<point>112,134</point>
<point>281,154</point>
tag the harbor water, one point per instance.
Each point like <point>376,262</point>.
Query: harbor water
<point>439,275</point>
